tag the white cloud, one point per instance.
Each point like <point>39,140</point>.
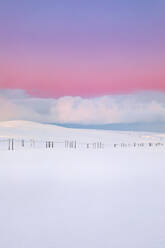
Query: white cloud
<point>126,108</point>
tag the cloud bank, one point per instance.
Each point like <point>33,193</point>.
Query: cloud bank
<point>125,108</point>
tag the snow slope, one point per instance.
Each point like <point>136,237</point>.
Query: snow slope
<point>28,130</point>
<point>72,198</point>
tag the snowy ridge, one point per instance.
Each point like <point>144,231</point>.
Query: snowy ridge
<point>31,133</point>
<point>80,197</point>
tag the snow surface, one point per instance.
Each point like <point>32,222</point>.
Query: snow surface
<point>76,198</point>
<point>42,132</point>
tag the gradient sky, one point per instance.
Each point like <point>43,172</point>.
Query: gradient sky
<point>86,48</point>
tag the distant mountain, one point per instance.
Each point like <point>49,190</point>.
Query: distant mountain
<point>144,127</point>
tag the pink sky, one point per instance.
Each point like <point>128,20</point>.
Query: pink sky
<point>85,48</point>
<point>78,74</point>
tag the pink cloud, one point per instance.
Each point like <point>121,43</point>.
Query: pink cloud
<point>122,108</point>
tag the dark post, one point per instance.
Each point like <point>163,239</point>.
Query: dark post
<point>9,145</point>
<point>12,144</point>
<point>66,143</point>
<point>71,144</point>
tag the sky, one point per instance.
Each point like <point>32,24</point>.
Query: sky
<point>87,62</point>
<point>56,48</point>
<point>139,107</point>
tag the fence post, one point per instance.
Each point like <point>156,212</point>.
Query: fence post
<point>12,144</point>
<point>9,145</point>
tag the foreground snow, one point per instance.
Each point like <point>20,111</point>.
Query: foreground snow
<point>72,198</point>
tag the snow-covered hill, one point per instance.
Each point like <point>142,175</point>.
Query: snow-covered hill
<point>60,198</point>
<point>38,131</point>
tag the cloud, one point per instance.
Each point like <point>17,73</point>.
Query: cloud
<point>125,108</point>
